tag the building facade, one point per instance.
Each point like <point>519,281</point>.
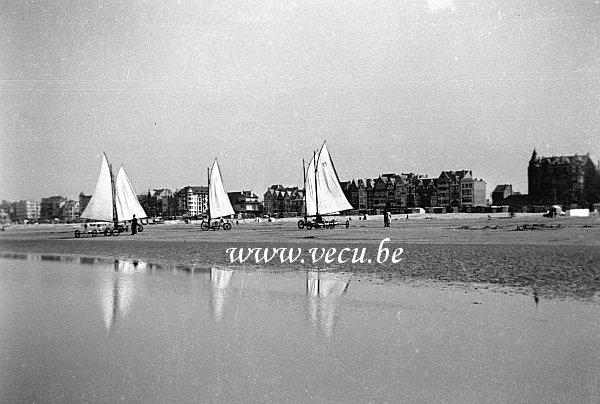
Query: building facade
<point>571,181</point>
<point>158,203</point>
<point>191,202</point>
<point>69,211</point>
<point>245,204</point>
<point>280,201</point>
<point>25,211</point>
<point>398,192</point>
<point>50,208</point>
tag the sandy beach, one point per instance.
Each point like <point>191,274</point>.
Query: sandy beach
<point>532,254</point>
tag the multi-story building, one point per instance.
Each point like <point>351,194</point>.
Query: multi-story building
<point>6,206</point>
<point>245,204</point>
<point>156,203</point>
<point>280,201</point>
<point>380,193</point>
<point>472,191</point>
<point>566,180</point>
<point>191,202</point>
<point>449,188</point>
<point>395,192</point>
<point>163,202</point>
<point>427,192</point>
<point>51,208</point>
<point>25,211</point>
<point>69,211</point>
<point>366,191</point>
<point>459,189</point>
<point>4,216</point>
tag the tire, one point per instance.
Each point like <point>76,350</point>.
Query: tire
<point>300,224</point>
<point>227,226</point>
<point>94,233</point>
<point>107,232</point>
<point>77,234</point>
<point>140,228</point>
<point>115,232</point>
<point>309,225</point>
<point>347,223</point>
<point>204,226</point>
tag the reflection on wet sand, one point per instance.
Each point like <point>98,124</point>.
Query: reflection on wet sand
<point>52,258</point>
<point>323,290</point>
<point>118,290</point>
<point>85,260</point>
<point>219,285</point>
<point>15,256</point>
<point>37,257</point>
<point>89,260</point>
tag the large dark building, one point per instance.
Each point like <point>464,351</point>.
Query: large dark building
<point>245,203</point>
<point>564,180</point>
<point>280,201</point>
<point>500,193</point>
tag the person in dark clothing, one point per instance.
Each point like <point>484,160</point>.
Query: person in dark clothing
<point>134,226</point>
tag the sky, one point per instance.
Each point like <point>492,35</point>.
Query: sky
<point>393,86</point>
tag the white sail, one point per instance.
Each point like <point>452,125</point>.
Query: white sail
<point>101,203</point>
<point>100,206</point>
<point>218,201</point>
<point>323,191</point>
<point>126,200</point>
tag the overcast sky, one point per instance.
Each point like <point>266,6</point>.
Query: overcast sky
<point>164,87</point>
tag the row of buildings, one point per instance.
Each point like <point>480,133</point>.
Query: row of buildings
<point>54,207</point>
<point>187,203</point>
<point>570,181</point>
<point>192,202</point>
<point>392,192</point>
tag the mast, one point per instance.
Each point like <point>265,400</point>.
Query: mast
<point>316,190</point>
<point>208,196</point>
<point>305,207</point>
<point>114,196</point>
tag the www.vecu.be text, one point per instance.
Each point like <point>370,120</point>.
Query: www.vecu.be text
<point>283,255</point>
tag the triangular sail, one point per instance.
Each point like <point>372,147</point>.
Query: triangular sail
<point>218,201</point>
<point>126,200</point>
<point>329,194</point>
<point>100,206</point>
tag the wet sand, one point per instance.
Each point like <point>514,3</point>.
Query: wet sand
<point>75,330</point>
<point>549,257</point>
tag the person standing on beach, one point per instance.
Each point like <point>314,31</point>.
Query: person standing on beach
<point>386,219</point>
<point>134,226</point>
<point>389,220</point>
